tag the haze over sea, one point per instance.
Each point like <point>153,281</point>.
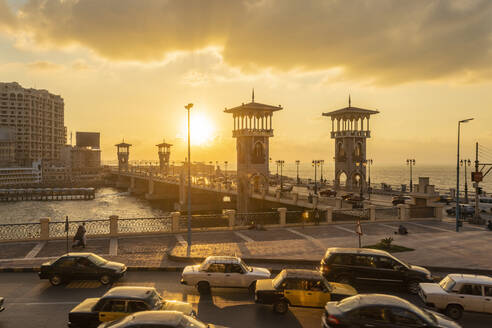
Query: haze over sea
<point>111,201</point>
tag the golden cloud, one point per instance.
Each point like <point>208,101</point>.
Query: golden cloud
<point>384,41</point>
<point>43,66</point>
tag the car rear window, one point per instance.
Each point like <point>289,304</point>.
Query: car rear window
<point>348,304</point>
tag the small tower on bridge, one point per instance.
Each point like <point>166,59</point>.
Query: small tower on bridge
<point>123,151</point>
<point>252,130</point>
<point>350,129</point>
<point>164,151</point>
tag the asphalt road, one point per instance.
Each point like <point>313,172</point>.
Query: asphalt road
<point>31,302</point>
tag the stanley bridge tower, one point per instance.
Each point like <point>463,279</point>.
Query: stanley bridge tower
<point>350,129</point>
<point>252,130</point>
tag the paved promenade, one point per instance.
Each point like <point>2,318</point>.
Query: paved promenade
<point>436,244</point>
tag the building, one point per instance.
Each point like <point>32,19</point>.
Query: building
<point>37,117</point>
<point>350,129</point>
<point>21,176</point>
<point>7,146</point>
<point>252,130</point>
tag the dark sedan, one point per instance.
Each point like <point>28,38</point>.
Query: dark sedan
<point>377,310</point>
<point>81,266</point>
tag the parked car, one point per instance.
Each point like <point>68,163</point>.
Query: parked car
<point>1,304</point>
<point>81,266</point>
<point>466,211</point>
<point>377,310</point>
<point>400,199</point>
<point>444,199</point>
<point>222,271</point>
<point>328,193</point>
<point>119,302</point>
<point>286,188</point>
<point>355,266</point>
<point>457,293</point>
<point>157,319</point>
<point>299,287</point>
<point>347,196</point>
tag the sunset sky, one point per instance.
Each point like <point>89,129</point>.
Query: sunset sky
<point>126,68</point>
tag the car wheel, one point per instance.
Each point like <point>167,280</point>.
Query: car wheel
<point>413,286</point>
<point>344,280</point>
<point>56,280</point>
<point>454,311</point>
<point>252,287</point>
<point>281,307</point>
<point>203,287</point>
<point>105,279</point>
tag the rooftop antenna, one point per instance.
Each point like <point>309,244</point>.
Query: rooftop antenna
<point>349,100</point>
<point>253,95</point>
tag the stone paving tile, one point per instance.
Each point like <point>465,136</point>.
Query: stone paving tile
<point>214,237</point>
<point>145,245</point>
<point>15,250</point>
<point>58,247</point>
<point>270,235</point>
<point>325,231</point>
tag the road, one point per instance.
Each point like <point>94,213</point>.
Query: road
<point>31,302</point>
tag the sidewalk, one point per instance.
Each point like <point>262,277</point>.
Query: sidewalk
<point>435,243</point>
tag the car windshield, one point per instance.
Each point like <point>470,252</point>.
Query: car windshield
<point>279,278</point>
<point>245,266</point>
<point>447,283</point>
<point>96,259</point>
<point>348,304</point>
<point>155,300</point>
<point>189,322</point>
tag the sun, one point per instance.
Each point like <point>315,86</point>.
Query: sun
<point>201,127</point>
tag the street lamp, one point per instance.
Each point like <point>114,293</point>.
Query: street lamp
<point>188,249</point>
<point>225,172</point>
<point>316,163</point>
<point>276,175</point>
<point>369,163</point>
<point>297,164</point>
<point>281,164</point>
<point>321,163</point>
<point>458,209</point>
<point>465,163</point>
<point>411,162</point>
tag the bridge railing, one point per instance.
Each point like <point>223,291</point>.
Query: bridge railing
<point>143,225</point>
<point>20,231</point>
<point>204,221</point>
<point>260,218</point>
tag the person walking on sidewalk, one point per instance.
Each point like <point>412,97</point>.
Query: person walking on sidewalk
<point>80,239</point>
<point>316,216</point>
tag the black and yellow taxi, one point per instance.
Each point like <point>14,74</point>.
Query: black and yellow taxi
<point>299,287</point>
<point>120,302</point>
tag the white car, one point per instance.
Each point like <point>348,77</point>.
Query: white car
<point>222,271</point>
<point>457,293</point>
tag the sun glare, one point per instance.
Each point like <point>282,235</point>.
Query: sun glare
<point>202,129</point>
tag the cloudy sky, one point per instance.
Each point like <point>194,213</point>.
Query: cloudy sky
<point>126,68</point>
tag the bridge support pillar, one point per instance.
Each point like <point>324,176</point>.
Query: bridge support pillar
<point>282,211</point>
<point>438,211</point>
<point>329,214</point>
<point>175,221</point>
<point>338,202</point>
<point>113,225</point>
<point>295,198</point>
<point>231,216</point>
<point>45,229</point>
<point>372,212</point>
<point>402,211</point>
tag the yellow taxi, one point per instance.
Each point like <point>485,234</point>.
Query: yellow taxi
<point>299,287</point>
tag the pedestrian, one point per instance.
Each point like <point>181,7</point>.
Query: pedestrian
<point>80,239</point>
<point>401,230</point>
<point>489,225</point>
<point>316,216</point>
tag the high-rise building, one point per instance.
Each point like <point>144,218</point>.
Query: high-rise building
<point>37,117</point>
<point>7,146</point>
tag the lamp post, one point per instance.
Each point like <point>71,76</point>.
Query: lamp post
<point>281,164</point>
<point>188,249</point>
<point>225,172</point>
<point>411,162</point>
<point>369,163</point>
<point>276,175</point>
<point>297,164</point>
<point>316,163</point>
<point>465,163</point>
<point>361,163</point>
<point>321,163</point>
<point>458,208</point>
